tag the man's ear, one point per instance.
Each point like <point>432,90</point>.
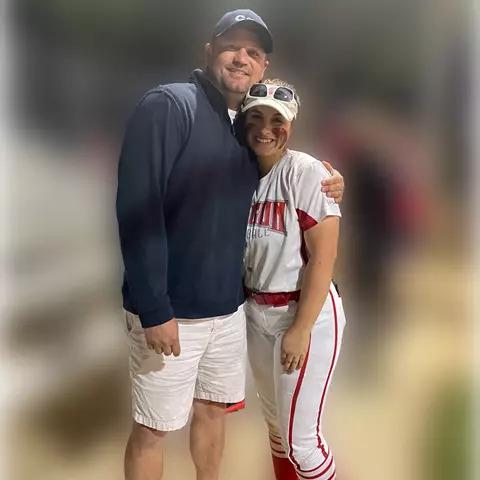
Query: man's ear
<point>208,51</point>
<point>267,63</point>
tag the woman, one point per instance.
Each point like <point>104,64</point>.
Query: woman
<point>295,317</point>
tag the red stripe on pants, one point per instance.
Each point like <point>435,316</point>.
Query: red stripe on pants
<point>293,406</point>
<point>322,400</point>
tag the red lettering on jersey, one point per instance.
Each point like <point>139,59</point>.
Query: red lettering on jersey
<point>253,213</point>
<point>258,214</point>
<point>265,222</point>
<point>278,217</point>
<point>270,215</point>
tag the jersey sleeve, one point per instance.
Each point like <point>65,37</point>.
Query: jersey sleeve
<point>154,137</point>
<point>311,204</point>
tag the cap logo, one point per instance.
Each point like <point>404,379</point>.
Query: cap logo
<point>241,18</point>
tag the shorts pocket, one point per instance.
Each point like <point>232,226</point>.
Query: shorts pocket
<point>128,322</point>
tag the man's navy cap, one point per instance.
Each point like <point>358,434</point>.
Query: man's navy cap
<point>230,19</point>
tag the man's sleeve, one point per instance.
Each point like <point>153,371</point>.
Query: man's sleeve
<point>153,139</point>
<point>311,204</point>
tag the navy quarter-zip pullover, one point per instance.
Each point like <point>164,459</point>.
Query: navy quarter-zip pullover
<point>184,191</point>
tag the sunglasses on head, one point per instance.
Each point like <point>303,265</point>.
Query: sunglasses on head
<point>284,94</point>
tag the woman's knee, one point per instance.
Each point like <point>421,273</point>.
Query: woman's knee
<point>310,456</point>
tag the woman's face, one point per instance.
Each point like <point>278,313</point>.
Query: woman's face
<point>267,130</point>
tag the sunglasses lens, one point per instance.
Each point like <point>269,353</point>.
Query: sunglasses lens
<point>284,94</point>
<point>258,90</point>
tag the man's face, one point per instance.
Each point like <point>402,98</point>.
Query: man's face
<point>236,60</point>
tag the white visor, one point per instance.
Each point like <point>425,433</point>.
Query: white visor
<point>288,110</point>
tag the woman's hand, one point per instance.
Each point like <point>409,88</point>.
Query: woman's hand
<point>295,343</point>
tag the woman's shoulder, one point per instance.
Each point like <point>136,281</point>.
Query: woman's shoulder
<point>303,163</point>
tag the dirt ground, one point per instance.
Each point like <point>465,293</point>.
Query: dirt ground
<point>378,421</point>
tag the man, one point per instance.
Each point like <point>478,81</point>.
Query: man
<point>184,192</point>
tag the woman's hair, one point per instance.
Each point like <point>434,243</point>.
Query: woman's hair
<point>282,83</point>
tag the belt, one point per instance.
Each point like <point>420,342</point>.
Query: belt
<point>275,299</point>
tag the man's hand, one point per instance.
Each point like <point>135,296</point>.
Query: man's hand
<point>333,186</point>
<point>294,348</point>
<point>164,338</point>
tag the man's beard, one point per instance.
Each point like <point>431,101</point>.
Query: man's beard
<point>229,86</point>
<point>237,88</point>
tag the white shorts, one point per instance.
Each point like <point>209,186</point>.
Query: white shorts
<point>211,366</point>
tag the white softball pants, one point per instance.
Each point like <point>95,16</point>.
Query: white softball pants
<point>293,404</point>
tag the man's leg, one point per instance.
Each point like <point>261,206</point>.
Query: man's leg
<point>207,438</point>
<point>162,394</point>
<point>220,380</point>
<point>144,454</point>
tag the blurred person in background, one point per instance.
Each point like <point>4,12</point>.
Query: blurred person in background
<point>184,189</point>
<point>295,317</point>
<point>387,207</point>
<point>370,244</point>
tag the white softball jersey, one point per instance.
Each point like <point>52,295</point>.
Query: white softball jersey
<point>287,202</point>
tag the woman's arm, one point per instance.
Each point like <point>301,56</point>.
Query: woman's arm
<point>321,241</point>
